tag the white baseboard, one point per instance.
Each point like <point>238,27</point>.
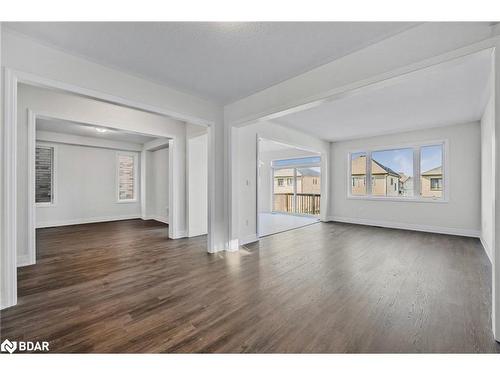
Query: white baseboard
<point>161,219</point>
<point>248,239</point>
<point>24,261</point>
<point>487,249</point>
<point>179,234</point>
<point>415,227</point>
<point>85,221</point>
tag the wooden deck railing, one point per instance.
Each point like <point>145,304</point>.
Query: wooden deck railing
<point>308,204</point>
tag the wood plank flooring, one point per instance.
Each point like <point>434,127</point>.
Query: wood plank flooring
<point>326,288</point>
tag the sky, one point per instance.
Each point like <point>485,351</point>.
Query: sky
<point>298,161</point>
<point>431,157</point>
<point>401,160</point>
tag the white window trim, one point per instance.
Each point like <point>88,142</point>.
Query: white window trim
<point>53,202</point>
<point>416,172</point>
<point>136,174</point>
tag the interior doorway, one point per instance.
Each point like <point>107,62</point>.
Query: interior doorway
<point>80,174</point>
<point>289,187</point>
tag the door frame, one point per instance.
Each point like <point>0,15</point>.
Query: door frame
<point>12,78</point>
<point>260,138</point>
<point>32,117</point>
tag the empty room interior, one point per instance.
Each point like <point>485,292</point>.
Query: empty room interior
<point>304,188</point>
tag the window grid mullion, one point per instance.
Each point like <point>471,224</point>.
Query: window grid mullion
<point>368,173</point>
<point>416,172</point>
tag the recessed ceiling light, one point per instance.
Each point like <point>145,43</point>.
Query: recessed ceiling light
<point>101,130</point>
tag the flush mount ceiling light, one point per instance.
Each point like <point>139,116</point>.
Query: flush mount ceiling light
<point>101,130</point>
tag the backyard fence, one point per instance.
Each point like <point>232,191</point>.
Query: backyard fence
<point>308,204</point>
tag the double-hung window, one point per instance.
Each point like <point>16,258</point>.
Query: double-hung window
<point>44,175</point>
<point>416,172</point>
<point>126,175</point>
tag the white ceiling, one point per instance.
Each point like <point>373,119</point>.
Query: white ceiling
<point>446,94</point>
<point>66,127</point>
<point>219,61</point>
<point>267,145</point>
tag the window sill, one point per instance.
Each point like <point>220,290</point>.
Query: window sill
<point>127,201</point>
<point>44,205</point>
<point>398,199</point>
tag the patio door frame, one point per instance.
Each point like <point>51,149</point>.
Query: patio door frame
<point>294,200</point>
<point>323,165</point>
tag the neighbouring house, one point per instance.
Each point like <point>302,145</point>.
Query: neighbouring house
<point>432,183</point>
<point>405,185</point>
<point>308,181</point>
<point>385,181</point>
<point>358,175</point>
<point>283,181</point>
<point>308,190</point>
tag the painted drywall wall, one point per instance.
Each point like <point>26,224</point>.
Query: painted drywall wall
<point>460,215</point>
<point>487,177</point>
<point>244,171</point>
<point>197,153</point>
<point>156,166</point>
<point>160,186</point>
<point>84,110</point>
<point>265,173</point>
<point>85,188</point>
<point>148,181</point>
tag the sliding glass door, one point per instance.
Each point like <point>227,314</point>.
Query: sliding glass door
<point>297,186</point>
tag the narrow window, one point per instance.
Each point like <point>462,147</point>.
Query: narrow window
<point>127,177</point>
<point>358,173</point>
<point>431,171</point>
<point>44,175</point>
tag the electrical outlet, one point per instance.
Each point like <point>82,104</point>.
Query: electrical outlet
<point>246,222</point>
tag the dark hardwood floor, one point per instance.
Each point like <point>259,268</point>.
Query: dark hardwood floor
<point>329,287</point>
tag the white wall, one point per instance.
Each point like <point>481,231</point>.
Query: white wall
<point>197,185</point>
<point>487,177</point>
<point>160,184</point>
<point>244,171</point>
<point>156,166</point>
<point>85,188</point>
<point>79,109</point>
<point>460,215</point>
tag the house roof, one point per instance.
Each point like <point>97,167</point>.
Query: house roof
<point>308,172</point>
<point>403,178</point>
<point>386,169</point>
<point>433,172</point>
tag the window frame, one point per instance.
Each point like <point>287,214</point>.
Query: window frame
<point>416,172</point>
<point>135,156</point>
<point>294,167</point>
<point>53,201</point>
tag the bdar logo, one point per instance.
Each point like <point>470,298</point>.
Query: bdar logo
<point>8,346</point>
<point>24,346</point>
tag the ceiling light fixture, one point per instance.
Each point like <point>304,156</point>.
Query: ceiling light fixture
<point>101,130</point>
